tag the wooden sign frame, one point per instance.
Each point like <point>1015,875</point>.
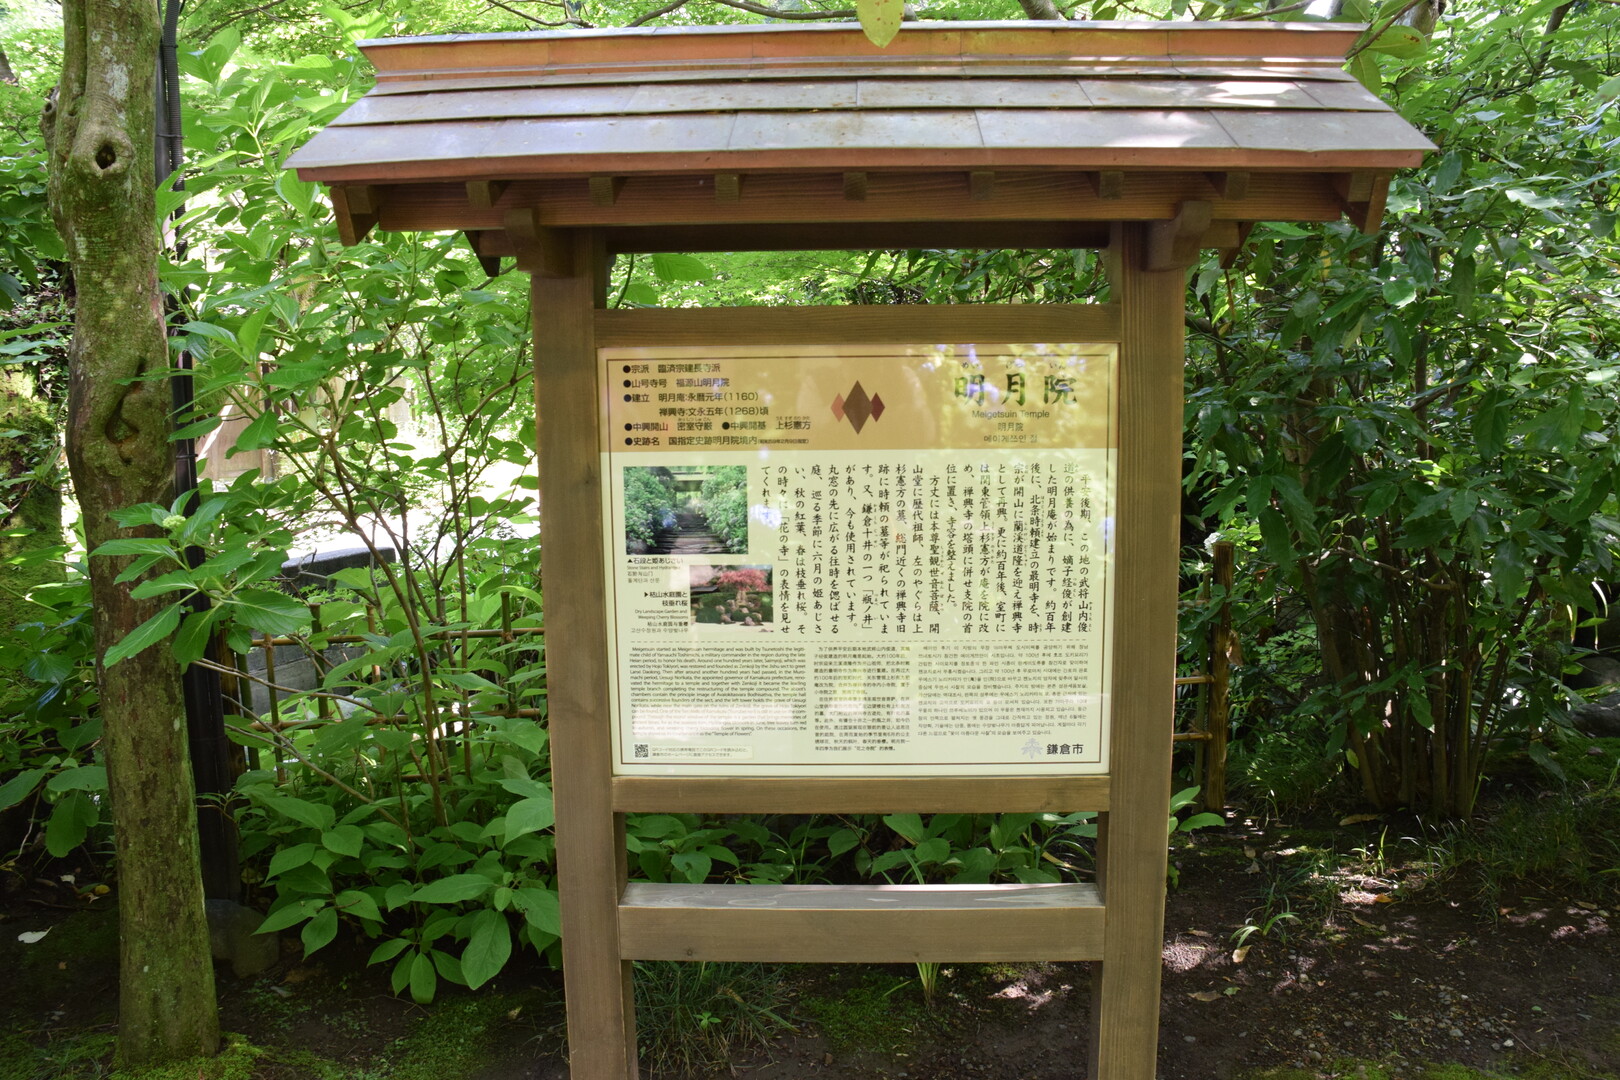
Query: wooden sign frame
<point>609,922</point>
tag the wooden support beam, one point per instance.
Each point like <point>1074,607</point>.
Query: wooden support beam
<point>855,186</point>
<point>355,208</point>
<point>1107,184</point>
<point>1230,252</point>
<point>605,190</point>
<point>853,794</point>
<point>981,185</point>
<point>484,194</point>
<point>1363,195</point>
<point>590,837</point>
<point>1130,845</point>
<point>1174,244</point>
<point>490,263</point>
<point>727,187</point>
<point>543,252</point>
<point>1230,185</point>
<point>883,924</point>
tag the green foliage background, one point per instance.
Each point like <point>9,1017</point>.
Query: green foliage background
<point>1410,435</point>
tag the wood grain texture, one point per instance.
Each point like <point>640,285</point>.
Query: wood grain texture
<point>860,795</point>
<point>844,325</point>
<point>633,51</point>
<point>891,198</point>
<point>836,237</point>
<point>860,924</point>
<point>1125,1009</point>
<point>601,1020</point>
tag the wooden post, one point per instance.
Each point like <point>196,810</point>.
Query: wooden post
<point>1125,1000</point>
<point>590,837</point>
<point>1220,671</point>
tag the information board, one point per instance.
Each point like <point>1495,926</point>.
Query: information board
<point>860,560</point>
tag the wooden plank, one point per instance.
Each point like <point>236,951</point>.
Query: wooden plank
<point>605,189</point>
<point>860,924</point>
<point>352,225</point>
<point>484,194</point>
<point>1302,73</point>
<point>855,186</point>
<point>1199,139</point>
<point>1125,1005</point>
<point>542,251</point>
<point>727,187</point>
<point>981,185</point>
<point>1036,90</point>
<point>631,48</point>
<point>1108,184</point>
<point>1174,244</point>
<point>873,323</point>
<point>836,237</point>
<point>891,197</point>
<point>488,261</point>
<point>601,1019</point>
<point>1232,185</point>
<point>860,795</point>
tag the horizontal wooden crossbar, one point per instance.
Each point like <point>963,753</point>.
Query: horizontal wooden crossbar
<point>860,794</point>
<point>885,924</point>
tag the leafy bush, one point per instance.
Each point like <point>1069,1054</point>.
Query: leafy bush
<point>724,496</point>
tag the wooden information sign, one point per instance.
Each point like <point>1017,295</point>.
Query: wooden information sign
<point>956,587</point>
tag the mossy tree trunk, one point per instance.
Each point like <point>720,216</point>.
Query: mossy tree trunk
<point>99,131</point>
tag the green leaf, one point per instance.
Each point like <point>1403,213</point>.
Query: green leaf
<point>909,826</point>
<point>693,865</point>
<point>529,815</point>
<point>273,613</point>
<point>1400,292</point>
<point>841,841</point>
<point>358,904</point>
<point>453,889</point>
<point>1365,69</point>
<point>880,19</point>
<point>261,432</point>
<point>540,909</point>
<point>1400,41</point>
<point>344,840</point>
<point>488,949</point>
<point>1492,418</point>
<point>669,267</point>
<point>82,778</point>
<point>70,823</point>
<point>387,951</point>
<point>423,979</point>
<point>191,643</point>
<point>293,913</point>
<point>289,858</point>
<point>144,636</point>
<point>136,545</point>
<point>315,815</point>
<point>1201,821</point>
<point>320,930</point>
<point>19,787</point>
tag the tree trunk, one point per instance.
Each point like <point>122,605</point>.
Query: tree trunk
<point>98,127</point>
<point>6,74</point>
<point>30,509</point>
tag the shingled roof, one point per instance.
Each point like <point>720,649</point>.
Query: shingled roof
<point>693,126</point>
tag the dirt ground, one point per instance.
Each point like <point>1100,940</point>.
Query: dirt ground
<point>1352,963</point>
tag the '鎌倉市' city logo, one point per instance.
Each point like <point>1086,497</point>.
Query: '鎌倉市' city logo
<point>857,407</point>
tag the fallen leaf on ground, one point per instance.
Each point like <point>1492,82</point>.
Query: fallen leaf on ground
<point>1359,921</point>
<point>1383,898</point>
<point>1205,995</point>
<point>1357,819</point>
<point>1240,954</point>
<point>1248,852</point>
<point>1230,990</point>
<point>28,937</point>
<point>1585,905</point>
<point>1254,867</point>
<point>1199,933</point>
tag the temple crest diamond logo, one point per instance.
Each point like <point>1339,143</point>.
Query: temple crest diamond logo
<point>857,407</point>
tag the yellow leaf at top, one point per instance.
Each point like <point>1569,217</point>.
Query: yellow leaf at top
<point>880,19</point>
